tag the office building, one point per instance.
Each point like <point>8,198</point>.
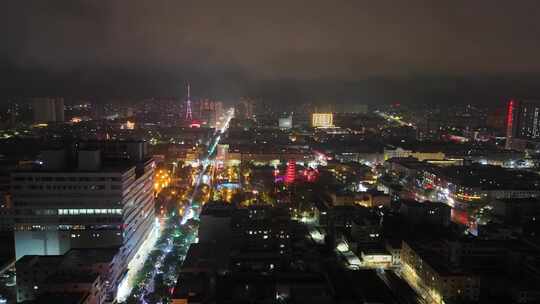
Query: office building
<point>496,119</point>
<point>245,108</point>
<point>48,110</point>
<point>209,112</point>
<point>322,120</point>
<point>82,199</point>
<point>285,122</point>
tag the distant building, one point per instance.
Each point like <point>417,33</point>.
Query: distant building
<point>356,108</point>
<point>426,212</point>
<point>522,121</point>
<point>402,153</point>
<point>368,157</point>
<point>496,119</point>
<point>322,120</point>
<point>269,155</point>
<point>245,108</point>
<point>285,122</point>
<point>48,109</point>
<point>209,111</point>
<point>222,152</point>
<point>6,204</point>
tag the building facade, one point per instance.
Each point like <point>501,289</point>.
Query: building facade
<point>48,110</point>
<point>322,120</point>
<point>433,280</point>
<point>522,121</point>
<point>61,206</point>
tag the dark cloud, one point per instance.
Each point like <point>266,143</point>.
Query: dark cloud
<point>265,40</point>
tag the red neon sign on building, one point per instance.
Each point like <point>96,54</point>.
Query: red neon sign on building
<point>510,115</point>
<point>510,122</point>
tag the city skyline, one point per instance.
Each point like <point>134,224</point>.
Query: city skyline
<point>451,51</point>
<point>278,152</point>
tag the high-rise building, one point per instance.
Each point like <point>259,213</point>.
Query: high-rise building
<point>496,119</point>
<point>354,107</point>
<point>245,109</point>
<point>322,120</point>
<point>222,152</point>
<point>85,198</point>
<point>522,121</point>
<point>210,111</point>
<point>285,122</point>
<point>48,109</point>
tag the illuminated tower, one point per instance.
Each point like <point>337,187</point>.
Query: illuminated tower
<point>189,115</point>
<point>290,173</point>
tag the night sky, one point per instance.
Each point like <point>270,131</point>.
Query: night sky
<point>359,50</point>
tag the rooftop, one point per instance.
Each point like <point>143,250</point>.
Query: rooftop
<point>428,254</point>
<point>71,261</point>
<point>490,177</point>
<point>66,298</point>
<point>206,255</point>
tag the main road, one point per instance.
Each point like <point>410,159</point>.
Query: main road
<point>206,160</point>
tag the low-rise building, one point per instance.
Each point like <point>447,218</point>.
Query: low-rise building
<point>436,279</point>
<point>433,213</point>
<point>374,199</point>
<point>420,155</point>
<point>79,272</point>
<point>517,210</point>
<point>476,183</point>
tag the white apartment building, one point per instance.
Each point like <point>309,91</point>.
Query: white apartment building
<point>89,205</point>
